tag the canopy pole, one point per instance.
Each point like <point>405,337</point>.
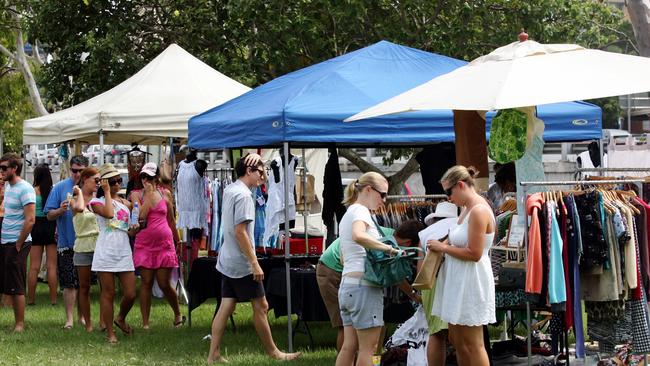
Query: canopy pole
<point>100,162</point>
<point>305,214</point>
<point>287,245</point>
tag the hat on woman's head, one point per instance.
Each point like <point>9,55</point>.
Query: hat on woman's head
<point>443,210</point>
<point>108,171</point>
<point>149,169</point>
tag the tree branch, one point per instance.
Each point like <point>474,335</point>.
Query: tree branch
<point>7,53</point>
<point>395,181</point>
<point>357,160</point>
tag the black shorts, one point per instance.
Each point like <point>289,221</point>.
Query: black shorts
<point>43,231</point>
<point>68,277</point>
<point>13,268</point>
<point>243,289</point>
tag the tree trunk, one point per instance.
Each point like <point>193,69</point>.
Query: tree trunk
<point>21,61</point>
<point>395,181</point>
<point>639,11</point>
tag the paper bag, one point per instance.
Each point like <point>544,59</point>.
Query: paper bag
<point>426,278</point>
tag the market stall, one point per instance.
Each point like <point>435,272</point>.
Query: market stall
<point>547,73</point>
<point>148,108</point>
<point>305,109</point>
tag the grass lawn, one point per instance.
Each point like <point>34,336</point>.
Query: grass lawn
<point>44,342</point>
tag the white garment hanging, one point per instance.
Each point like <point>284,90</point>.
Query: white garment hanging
<point>191,200</point>
<point>275,202</point>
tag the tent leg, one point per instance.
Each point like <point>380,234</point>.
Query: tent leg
<point>304,200</point>
<point>100,162</point>
<point>287,235</point>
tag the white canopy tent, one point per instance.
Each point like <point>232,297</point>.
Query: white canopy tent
<point>152,105</point>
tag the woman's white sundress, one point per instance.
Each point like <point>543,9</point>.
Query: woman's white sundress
<point>465,289</point>
<point>113,251</point>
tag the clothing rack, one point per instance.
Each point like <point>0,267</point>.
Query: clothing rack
<point>404,197</point>
<point>605,170</point>
<point>525,185</point>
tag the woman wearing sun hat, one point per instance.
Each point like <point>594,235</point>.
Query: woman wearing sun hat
<point>154,250</point>
<point>113,251</point>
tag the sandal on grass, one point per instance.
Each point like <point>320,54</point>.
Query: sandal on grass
<point>180,323</point>
<point>126,329</point>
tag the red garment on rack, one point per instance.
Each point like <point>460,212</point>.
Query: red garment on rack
<point>534,268</point>
<point>568,314</point>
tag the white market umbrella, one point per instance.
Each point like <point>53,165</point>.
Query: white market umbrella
<point>524,74</point>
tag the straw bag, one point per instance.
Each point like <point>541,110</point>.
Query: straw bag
<point>426,278</point>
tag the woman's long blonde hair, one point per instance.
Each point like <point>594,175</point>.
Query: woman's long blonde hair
<point>371,179</point>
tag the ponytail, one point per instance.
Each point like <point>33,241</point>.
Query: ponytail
<point>371,179</point>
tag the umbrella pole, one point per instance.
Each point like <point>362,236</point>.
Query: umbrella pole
<point>100,162</point>
<point>287,245</point>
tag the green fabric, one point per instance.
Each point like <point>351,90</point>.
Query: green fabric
<point>508,136</point>
<point>434,323</point>
<point>385,270</point>
<point>39,206</point>
<point>331,257</point>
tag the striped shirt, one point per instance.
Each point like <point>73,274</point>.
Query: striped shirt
<point>16,197</point>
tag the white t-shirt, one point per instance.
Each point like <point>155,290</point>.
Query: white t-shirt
<point>354,255</point>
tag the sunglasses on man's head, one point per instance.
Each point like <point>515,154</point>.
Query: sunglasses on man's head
<point>114,181</point>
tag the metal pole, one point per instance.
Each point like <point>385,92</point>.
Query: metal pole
<point>304,199</point>
<point>529,346</point>
<point>629,113</point>
<point>287,245</point>
<point>100,162</point>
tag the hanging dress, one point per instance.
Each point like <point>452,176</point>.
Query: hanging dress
<point>191,200</point>
<point>464,292</point>
<point>275,201</point>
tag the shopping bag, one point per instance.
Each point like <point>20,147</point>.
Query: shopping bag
<point>426,278</point>
<point>414,332</point>
<point>385,270</point>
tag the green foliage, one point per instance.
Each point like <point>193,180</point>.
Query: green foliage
<point>15,107</point>
<point>255,41</point>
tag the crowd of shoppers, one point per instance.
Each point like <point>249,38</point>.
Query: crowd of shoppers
<point>84,227</point>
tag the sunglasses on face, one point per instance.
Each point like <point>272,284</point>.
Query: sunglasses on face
<point>115,181</point>
<point>449,190</point>
<point>383,195</point>
<point>75,171</point>
<point>97,180</point>
<point>4,167</point>
<point>146,177</point>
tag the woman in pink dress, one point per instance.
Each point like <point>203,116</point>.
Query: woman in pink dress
<point>154,250</point>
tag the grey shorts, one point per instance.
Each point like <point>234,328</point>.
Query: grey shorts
<point>362,306</point>
<point>83,259</point>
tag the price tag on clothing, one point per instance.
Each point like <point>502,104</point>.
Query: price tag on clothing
<point>516,233</point>
<point>260,200</point>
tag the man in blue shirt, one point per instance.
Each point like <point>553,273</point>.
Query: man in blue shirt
<point>19,204</point>
<point>56,208</point>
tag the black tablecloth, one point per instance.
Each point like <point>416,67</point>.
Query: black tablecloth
<point>205,281</point>
<point>306,300</point>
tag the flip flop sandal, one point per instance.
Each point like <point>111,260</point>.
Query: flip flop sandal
<point>180,323</point>
<point>127,330</point>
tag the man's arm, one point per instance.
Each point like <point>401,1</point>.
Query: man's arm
<point>29,211</point>
<point>246,247</point>
<point>54,208</point>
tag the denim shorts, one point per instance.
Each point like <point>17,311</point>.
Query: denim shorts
<point>83,259</point>
<point>362,306</point>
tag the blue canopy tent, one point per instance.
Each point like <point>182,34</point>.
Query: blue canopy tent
<point>306,107</point>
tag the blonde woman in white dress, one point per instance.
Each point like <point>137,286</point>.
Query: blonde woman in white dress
<point>464,295</point>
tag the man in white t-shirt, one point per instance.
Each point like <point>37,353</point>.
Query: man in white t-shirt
<point>241,274</point>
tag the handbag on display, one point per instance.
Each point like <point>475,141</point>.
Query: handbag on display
<point>385,270</point>
<point>426,277</point>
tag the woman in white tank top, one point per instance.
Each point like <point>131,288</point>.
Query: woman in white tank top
<point>465,286</point>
